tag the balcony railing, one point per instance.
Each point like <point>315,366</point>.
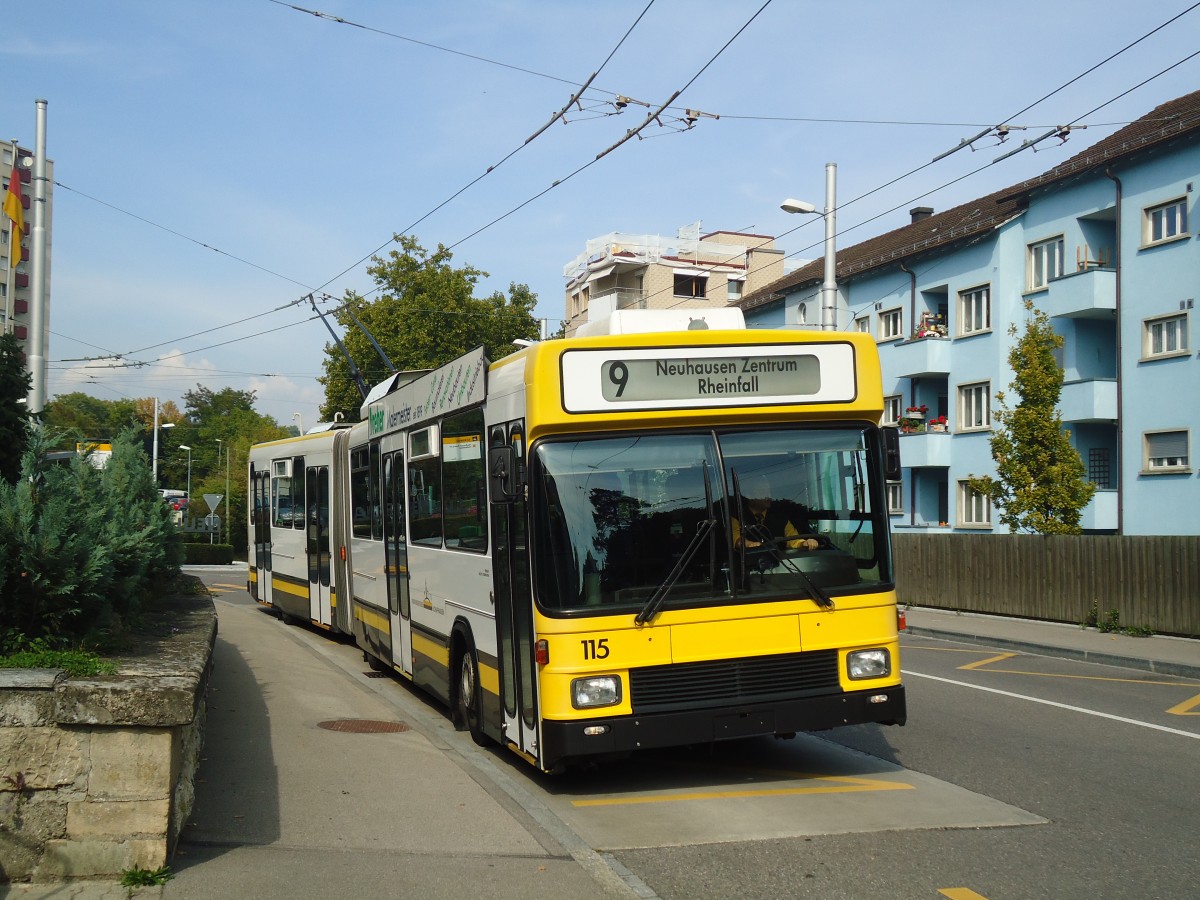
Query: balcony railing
<point>919,357</point>
<point>1101,513</point>
<point>926,449</point>
<point>1087,294</point>
<point>1093,400</point>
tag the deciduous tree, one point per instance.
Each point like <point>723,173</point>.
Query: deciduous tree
<point>1040,484</point>
<point>425,316</point>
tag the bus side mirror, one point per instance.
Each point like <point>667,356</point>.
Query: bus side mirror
<point>505,474</point>
<point>891,453</point>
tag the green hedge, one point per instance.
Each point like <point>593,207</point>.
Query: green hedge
<point>207,554</point>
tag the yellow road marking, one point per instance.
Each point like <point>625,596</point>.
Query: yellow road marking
<point>842,785</point>
<point>984,662</point>
<point>960,894</point>
<point>1187,707</point>
<point>236,587</point>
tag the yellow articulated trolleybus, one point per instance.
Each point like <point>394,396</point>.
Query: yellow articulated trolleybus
<point>637,537</point>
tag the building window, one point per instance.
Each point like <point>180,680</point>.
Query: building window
<point>691,286</point>
<point>891,409</point>
<point>734,290</point>
<point>890,325</point>
<point>975,310</point>
<point>895,496</point>
<point>863,325</point>
<point>1045,263</point>
<point>1165,336</point>
<point>1166,221</point>
<point>974,508</point>
<point>974,411</point>
<point>1099,467</point>
<point>1166,451</point>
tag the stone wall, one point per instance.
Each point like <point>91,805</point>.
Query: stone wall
<point>96,774</point>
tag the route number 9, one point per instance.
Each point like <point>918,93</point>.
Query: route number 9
<point>618,374</point>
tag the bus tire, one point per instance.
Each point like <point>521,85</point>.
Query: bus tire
<point>469,705</point>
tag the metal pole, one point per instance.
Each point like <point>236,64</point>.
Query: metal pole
<point>154,452</point>
<point>228,501</point>
<point>829,285</point>
<point>38,313</point>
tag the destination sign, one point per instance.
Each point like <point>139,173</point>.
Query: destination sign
<point>631,380</point>
<point>662,378</point>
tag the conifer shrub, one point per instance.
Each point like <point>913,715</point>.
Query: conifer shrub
<point>81,549</point>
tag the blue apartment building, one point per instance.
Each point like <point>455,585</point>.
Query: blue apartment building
<point>1106,245</point>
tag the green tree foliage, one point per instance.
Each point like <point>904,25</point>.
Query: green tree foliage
<point>425,316</point>
<point>79,417</point>
<point>220,428</point>
<point>1040,485</point>
<point>81,549</point>
<point>14,414</point>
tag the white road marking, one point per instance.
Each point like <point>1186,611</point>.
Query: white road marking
<point>1078,709</point>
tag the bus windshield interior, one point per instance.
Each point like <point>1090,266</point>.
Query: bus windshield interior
<point>696,519</point>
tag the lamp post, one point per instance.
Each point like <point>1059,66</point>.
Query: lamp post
<point>228,504</point>
<point>296,416</point>
<point>189,453</point>
<point>829,284</point>
<point>154,451</point>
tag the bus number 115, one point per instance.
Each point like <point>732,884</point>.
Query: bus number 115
<point>595,648</point>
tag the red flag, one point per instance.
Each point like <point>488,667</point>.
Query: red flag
<point>15,210</point>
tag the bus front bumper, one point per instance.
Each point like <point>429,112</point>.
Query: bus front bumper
<point>562,741</point>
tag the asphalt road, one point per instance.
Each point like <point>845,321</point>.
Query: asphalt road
<point>1017,777</point>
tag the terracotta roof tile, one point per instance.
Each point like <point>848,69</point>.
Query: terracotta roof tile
<point>1163,124</point>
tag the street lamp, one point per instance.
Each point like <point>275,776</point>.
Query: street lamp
<point>154,451</point>
<point>189,453</point>
<point>300,418</point>
<point>829,284</point>
<point>228,504</point>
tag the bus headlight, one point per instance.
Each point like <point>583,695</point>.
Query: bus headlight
<point>595,690</point>
<point>868,664</point>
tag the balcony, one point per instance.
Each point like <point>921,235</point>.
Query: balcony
<point>608,302</point>
<point>1101,513</point>
<point>1093,400</point>
<point>1089,294</point>
<point>925,450</point>
<point>919,357</point>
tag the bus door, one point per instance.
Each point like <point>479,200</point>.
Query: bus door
<point>317,546</point>
<point>514,604</point>
<point>395,544</point>
<point>260,500</point>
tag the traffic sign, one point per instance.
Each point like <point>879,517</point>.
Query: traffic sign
<point>213,501</point>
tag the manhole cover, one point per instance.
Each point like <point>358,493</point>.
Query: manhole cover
<point>363,726</point>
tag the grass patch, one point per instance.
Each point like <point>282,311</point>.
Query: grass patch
<point>77,663</point>
<point>137,877</point>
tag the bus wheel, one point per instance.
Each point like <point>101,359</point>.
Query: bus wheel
<point>469,712</point>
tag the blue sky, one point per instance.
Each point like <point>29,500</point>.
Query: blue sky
<point>218,160</point>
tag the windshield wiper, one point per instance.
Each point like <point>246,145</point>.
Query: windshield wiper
<point>660,595</point>
<point>760,533</point>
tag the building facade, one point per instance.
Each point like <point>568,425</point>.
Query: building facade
<point>1105,244</point>
<point>15,277</point>
<point>639,271</point>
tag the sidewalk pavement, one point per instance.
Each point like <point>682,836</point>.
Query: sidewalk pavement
<point>318,779</point>
<point>1156,653</point>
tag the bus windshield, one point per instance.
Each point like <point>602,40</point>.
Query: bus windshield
<point>706,518</point>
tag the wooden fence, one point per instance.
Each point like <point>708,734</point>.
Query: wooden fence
<point>1151,582</point>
